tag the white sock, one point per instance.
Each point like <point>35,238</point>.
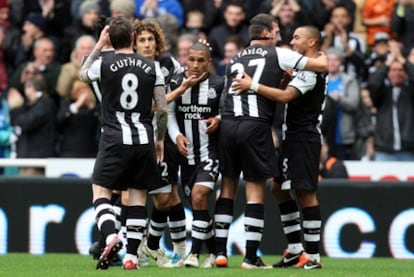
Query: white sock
<point>295,248</point>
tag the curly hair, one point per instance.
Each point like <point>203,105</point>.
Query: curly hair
<point>152,26</point>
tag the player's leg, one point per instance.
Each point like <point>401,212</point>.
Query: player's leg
<point>254,223</point>
<point>136,224</point>
<point>159,215</point>
<point>311,225</point>
<point>98,246</point>
<point>302,171</point>
<point>223,217</point>
<point>105,218</point>
<point>290,219</point>
<point>156,228</point>
<point>230,169</point>
<point>202,224</point>
<point>177,227</point>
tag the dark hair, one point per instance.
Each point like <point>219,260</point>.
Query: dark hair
<point>237,40</point>
<point>313,33</point>
<point>201,46</point>
<point>152,26</point>
<point>237,3</point>
<point>120,31</point>
<point>100,24</point>
<point>340,6</point>
<point>260,22</point>
<point>38,82</point>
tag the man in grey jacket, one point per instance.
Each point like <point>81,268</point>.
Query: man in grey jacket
<point>391,88</point>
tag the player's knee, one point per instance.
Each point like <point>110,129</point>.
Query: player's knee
<point>199,197</point>
<point>162,201</point>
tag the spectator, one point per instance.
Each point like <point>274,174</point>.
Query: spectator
<point>34,28</point>
<point>402,22</point>
<point>43,52</point>
<point>171,30</point>
<point>6,135</point>
<point>123,8</point>
<point>70,71</point>
<point>232,46</point>
<point>9,44</point>
<point>78,123</point>
<point>365,119</point>
<point>234,15</point>
<point>16,11</point>
<point>343,95</point>
<point>336,34</point>
<point>194,23</point>
<point>55,13</point>
<point>379,52</point>
<point>215,11</point>
<point>34,121</point>
<point>89,13</point>
<point>183,44</point>
<point>189,5</point>
<point>331,167</point>
<point>155,8</point>
<point>376,16</point>
<point>290,14</point>
<point>322,10</point>
<point>75,7</point>
<point>391,89</point>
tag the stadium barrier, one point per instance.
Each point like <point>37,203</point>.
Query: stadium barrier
<point>361,219</point>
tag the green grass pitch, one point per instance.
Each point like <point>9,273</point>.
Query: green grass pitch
<point>16,264</point>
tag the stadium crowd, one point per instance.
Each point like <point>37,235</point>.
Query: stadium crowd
<point>48,110</point>
<point>365,119</point>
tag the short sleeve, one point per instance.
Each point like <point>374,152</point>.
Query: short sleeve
<point>304,81</point>
<point>290,59</point>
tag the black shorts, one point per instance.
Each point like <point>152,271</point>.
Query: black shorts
<point>299,165</point>
<point>246,146</point>
<point>120,166</point>
<point>165,184</point>
<point>172,158</point>
<point>204,173</point>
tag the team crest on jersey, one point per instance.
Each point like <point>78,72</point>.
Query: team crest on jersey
<point>165,71</point>
<point>302,76</point>
<point>211,93</point>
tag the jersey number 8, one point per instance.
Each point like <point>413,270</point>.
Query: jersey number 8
<point>129,95</point>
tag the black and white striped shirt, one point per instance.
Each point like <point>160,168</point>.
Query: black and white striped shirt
<point>187,114</point>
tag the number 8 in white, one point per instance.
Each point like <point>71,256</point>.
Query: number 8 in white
<point>129,95</point>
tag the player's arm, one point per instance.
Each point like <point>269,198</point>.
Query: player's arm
<point>161,113</point>
<point>283,96</point>
<point>174,131</point>
<point>292,59</point>
<point>185,84</point>
<point>318,64</point>
<point>96,52</point>
<point>161,117</point>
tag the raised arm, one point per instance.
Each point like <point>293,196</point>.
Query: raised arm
<point>95,54</point>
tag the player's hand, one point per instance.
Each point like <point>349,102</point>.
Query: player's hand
<point>286,78</point>
<point>193,80</point>
<point>182,143</point>
<point>159,150</point>
<point>14,98</point>
<point>104,37</point>
<point>240,85</point>
<point>213,124</point>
